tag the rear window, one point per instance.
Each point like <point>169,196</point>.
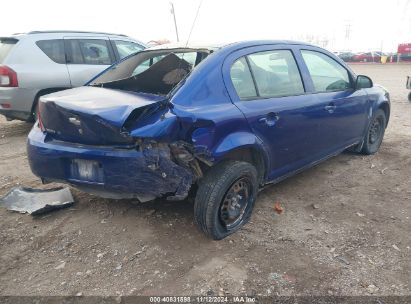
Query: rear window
<point>188,57</point>
<point>153,72</point>
<point>54,49</point>
<point>5,46</point>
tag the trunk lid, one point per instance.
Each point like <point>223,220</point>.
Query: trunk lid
<point>92,115</point>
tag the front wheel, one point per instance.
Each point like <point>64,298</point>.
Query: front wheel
<point>375,133</point>
<point>225,198</point>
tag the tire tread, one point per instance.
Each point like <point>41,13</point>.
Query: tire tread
<point>210,187</point>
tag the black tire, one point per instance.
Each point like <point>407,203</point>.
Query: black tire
<point>213,204</point>
<point>409,96</point>
<point>375,133</point>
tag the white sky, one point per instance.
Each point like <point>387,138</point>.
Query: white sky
<point>374,24</point>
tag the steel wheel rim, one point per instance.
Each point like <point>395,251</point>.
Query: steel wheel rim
<point>235,203</point>
<point>376,129</point>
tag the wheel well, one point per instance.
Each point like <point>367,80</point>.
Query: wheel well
<point>41,93</point>
<point>386,108</point>
<point>250,155</point>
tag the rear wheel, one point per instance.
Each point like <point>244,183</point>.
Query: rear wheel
<point>225,198</point>
<point>375,133</point>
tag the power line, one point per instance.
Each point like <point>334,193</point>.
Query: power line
<point>194,21</point>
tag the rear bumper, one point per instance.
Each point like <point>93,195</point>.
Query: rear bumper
<point>126,173</point>
<point>20,102</point>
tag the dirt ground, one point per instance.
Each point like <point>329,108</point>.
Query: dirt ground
<point>345,230</point>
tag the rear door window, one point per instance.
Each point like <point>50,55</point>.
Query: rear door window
<point>267,74</point>
<point>242,79</point>
<point>125,48</point>
<point>89,51</point>
<point>54,49</point>
<point>276,73</point>
<point>326,73</point>
<point>6,44</point>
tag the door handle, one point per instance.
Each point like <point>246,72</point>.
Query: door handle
<point>270,119</point>
<point>330,108</point>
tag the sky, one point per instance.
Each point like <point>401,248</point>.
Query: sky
<point>355,25</point>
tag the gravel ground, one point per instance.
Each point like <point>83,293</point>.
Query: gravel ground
<point>345,230</point>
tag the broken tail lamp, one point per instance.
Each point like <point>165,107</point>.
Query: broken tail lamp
<point>39,121</point>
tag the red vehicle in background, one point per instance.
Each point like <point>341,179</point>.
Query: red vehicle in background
<point>404,52</point>
<point>367,57</point>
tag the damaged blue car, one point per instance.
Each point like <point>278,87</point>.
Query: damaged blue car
<point>214,123</point>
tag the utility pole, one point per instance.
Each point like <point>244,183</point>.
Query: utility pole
<point>347,31</point>
<point>347,34</point>
<point>175,22</point>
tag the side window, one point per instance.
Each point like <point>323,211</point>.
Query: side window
<point>126,48</point>
<point>88,51</point>
<point>242,79</point>
<point>276,73</point>
<point>54,49</point>
<point>326,73</point>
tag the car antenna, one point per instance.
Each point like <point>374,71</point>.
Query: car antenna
<point>188,39</point>
<point>194,21</point>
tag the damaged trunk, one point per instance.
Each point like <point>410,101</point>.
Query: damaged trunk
<point>153,162</point>
<point>122,133</point>
<point>96,116</point>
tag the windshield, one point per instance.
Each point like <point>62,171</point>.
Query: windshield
<point>154,71</point>
<point>6,44</point>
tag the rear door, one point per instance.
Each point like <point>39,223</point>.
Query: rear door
<point>344,109</point>
<point>86,57</point>
<point>266,85</point>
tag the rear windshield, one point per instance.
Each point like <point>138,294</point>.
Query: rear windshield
<point>155,71</point>
<point>6,44</point>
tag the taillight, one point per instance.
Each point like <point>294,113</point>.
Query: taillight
<point>40,123</point>
<point>8,77</point>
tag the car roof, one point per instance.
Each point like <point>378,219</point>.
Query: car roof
<point>219,45</point>
<point>63,33</point>
<point>70,32</point>
<point>38,35</point>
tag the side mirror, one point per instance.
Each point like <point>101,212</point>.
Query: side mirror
<point>363,82</point>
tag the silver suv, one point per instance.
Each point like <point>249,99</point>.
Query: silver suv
<point>39,63</point>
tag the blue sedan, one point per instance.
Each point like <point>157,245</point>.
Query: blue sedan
<point>215,123</point>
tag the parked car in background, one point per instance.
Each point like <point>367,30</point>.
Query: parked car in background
<point>393,57</point>
<point>217,123</point>
<point>367,57</point>
<point>38,63</point>
<point>345,56</point>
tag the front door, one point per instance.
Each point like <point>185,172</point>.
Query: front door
<point>345,109</point>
